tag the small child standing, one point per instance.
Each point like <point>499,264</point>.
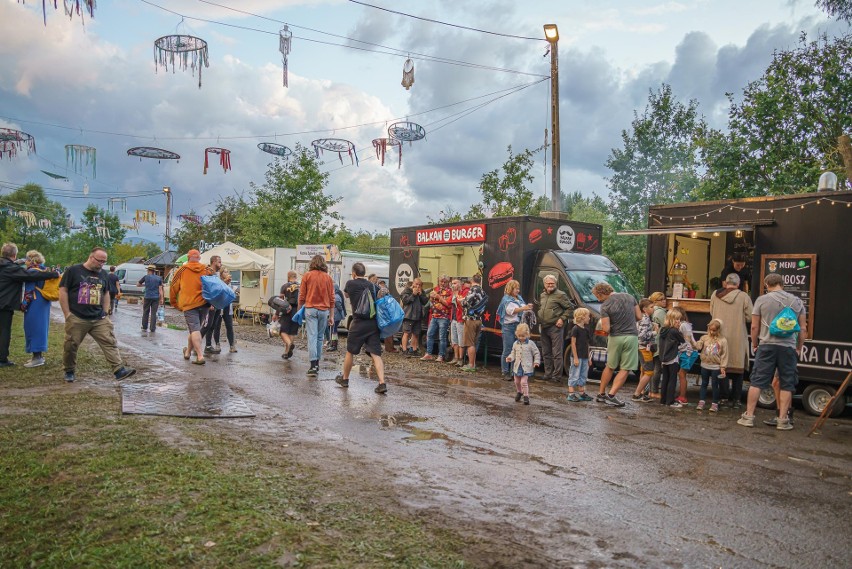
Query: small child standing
<point>670,339</point>
<point>714,359</point>
<point>687,357</point>
<point>526,357</point>
<point>647,346</point>
<point>578,372</point>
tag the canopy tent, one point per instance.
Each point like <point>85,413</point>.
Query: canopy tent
<point>234,258</point>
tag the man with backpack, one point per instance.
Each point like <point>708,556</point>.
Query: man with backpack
<point>778,330</point>
<point>474,306</point>
<point>364,329</point>
<point>554,313</point>
<point>284,315</point>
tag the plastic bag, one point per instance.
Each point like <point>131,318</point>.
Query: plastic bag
<point>216,292</point>
<point>389,315</point>
<point>299,317</point>
<point>273,329</point>
<point>161,315</point>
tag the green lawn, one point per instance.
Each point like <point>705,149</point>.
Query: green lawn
<point>84,486</point>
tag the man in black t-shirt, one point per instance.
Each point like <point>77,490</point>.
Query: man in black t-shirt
<point>114,290</point>
<point>85,299</point>
<point>289,329</point>
<point>363,332</point>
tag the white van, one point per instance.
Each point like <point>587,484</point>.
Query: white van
<point>129,275</point>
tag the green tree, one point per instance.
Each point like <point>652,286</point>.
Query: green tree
<point>840,9</point>
<point>40,236</point>
<point>123,252</point>
<point>659,159</point>
<point>507,194</point>
<point>291,207</point>
<point>224,224</point>
<point>789,127</point>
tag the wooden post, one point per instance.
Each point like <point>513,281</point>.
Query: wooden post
<point>824,415</point>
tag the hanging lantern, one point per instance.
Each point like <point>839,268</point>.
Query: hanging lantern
<point>224,158</point>
<point>406,131</point>
<point>285,36</point>
<point>11,141</point>
<point>74,154</point>
<point>154,153</point>
<point>338,145</point>
<point>408,74</point>
<point>276,149</point>
<point>189,51</point>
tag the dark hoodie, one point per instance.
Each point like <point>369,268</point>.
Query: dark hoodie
<point>12,276</point>
<point>670,339</point>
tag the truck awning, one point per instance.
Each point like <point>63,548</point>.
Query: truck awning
<point>688,229</point>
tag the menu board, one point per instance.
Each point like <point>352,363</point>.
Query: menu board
<point>799,274</point>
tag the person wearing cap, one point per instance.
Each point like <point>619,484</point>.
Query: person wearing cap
<point>733,307</point>
<point>185,295</point>
<point>153,297</point>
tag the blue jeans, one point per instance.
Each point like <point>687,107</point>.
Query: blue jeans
<point>437,327</point>
<point>508,342</point>
<point>316,321</point>
<point>577,375</point>
<point>706,376</point>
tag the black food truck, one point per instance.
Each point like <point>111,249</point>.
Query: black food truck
<point>803,237</point>
<point>523,248</point>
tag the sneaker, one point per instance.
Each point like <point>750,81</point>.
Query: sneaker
<point>646,398</point>
<point>208,350</point>
<point>636,397</point>
<point>340,381</point>
<point>585,397</point>
<point>773,422</point>
<point>601,398</point>
<point>676,405</point>
<point>526,400</point>
<point>700,405</point>
<point>291,350</point>
<point>784,425</point>
<point>6,363</point>
<point>233,350</point>
<point>468,368</point>
<point>440,359</point>
<point>746,420</point>
<point>313,371</point>
<point>124,373</point>
<point>508,376</point>
<point>427,358</point>
<point>614,401</point>
<point>573,398</point>
<point>381,388</point>
<point>35,362</point>
<point>714,407</point>
<point>518,396</point>
<point>737,404</point>
<point>459,363</point>
<point>217,349</point>
<point>682,400</point>
<point>70,377</point>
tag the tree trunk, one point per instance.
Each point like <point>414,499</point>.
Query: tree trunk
<point>844,145</point>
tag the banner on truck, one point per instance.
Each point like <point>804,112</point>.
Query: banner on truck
<point>331,253</point>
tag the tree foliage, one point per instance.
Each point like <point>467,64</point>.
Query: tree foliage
<point>659,159</point>
<point>787,129</point>
<point>32,198</point>
<point>291,207</point>
<point>507,194</point>
<point>224,224</point>
<point>840,9</point>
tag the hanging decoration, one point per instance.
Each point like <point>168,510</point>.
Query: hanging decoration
<point>408,74</point>
<point>12,141</point>
<point>753,209</point>
<point>276,149</point>
<point>381,146</point>
<point>103,231</point>
<point>28,217</point>
<point>133,225</point>
<point>71,7</point>
<point>55,176</point>
<point>86,188</point>
<point>44,223</point>
<point>224,158</point>
<point>114,204</point>
<point>74,155</point>
<point>189,51</point>
<point>285,36</point>
<point>190,218</point>
<point>146,216</point>
<point>151,152</point>
<point>338,145</point>
<point>406,131</point>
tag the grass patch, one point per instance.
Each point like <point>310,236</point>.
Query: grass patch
<point>85,486</point>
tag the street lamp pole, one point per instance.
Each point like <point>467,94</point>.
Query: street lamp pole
<point>551,33</point>
<point>168,191</point>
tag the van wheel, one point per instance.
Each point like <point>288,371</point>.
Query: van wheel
<point>766,400</point>
<point>816,397</point>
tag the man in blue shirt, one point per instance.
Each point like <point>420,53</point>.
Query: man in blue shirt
<point>153,299</point>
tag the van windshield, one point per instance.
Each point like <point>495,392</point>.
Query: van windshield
<point>584,282</point>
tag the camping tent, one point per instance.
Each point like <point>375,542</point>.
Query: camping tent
<point>234,258</point>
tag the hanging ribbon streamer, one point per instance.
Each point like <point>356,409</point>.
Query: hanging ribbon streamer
<point>146,216</point>
<point>114,204</point>
<point>44,223</point>
<point>28,217</point>
<point>74,154</point>
<point>191,218</point>
<point>224,158</point>
<point>285,36</point>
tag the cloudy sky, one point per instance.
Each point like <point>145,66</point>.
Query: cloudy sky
<point>95,83</point>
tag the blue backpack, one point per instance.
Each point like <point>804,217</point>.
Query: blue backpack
<point>786,322</point>
<point>216,292</point>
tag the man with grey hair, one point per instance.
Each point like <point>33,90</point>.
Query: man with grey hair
<point>555,310</point>
<point>12,276</point>
<point>778,348</point>
<point>732,306</point>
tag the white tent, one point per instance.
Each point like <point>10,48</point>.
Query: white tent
<point>236,258</point>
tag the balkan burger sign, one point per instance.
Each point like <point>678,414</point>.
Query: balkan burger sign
<point>449,235</point>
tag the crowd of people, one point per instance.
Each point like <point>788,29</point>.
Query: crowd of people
<point>643,335</point>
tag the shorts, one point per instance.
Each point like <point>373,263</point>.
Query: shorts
<point>622,352</point>
<point>411,327</point>
<point>364,333</point>
<point>196,318</point>
<point>521,372</point>
<point>471,333</point>
<point>770,357</point>
<point>647,362</point>
<point>456,332</point>
<point>287,325</point>
<point>577,375</point>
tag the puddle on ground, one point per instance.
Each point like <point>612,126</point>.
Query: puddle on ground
<point>398,419</point>
<point>423,435</point>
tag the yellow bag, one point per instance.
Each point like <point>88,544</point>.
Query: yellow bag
<point>50,291</point>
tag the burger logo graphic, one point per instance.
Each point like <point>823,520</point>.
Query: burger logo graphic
<point>773,265</point>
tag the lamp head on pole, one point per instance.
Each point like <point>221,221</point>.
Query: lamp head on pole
<point>827,182</point>
<point>551,33</point>
<point>167,190</point>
